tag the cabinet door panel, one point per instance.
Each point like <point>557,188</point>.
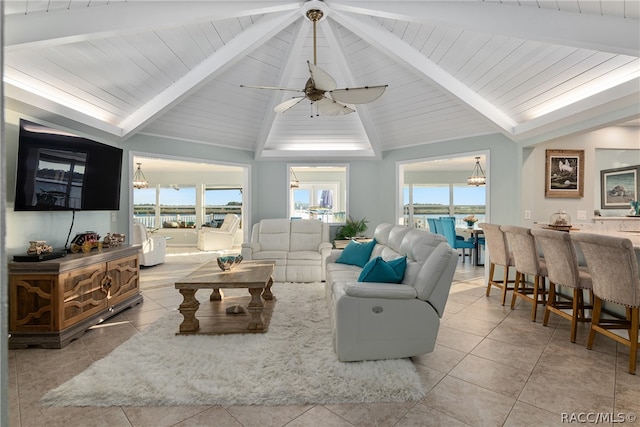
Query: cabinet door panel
<point>124,275</point>
<point>31,303</point>
<point>84,293</point>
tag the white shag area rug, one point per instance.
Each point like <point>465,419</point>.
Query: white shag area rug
<point>293,363</point>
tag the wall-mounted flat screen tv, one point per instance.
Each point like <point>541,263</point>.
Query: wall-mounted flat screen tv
<point>59,171</point>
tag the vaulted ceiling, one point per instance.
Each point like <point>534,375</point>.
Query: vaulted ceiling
<point>530,70</point>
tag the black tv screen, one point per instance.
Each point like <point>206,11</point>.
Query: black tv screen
<point>60,171</point>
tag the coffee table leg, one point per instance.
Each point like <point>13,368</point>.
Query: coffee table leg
<point>267,290</point>
<point>216,295</point>
<point>255,309</point>
<point>188,310</point>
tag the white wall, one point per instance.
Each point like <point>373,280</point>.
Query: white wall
<point>54,227</point>
<point>603,149</point>
<point>515,176</point>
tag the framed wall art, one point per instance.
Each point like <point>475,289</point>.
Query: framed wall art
<point>564,173</point>
<point>619,186</point>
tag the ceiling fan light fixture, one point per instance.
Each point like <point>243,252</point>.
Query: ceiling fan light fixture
<point>139,180</point>
<point>477,177</point>
<point>320,88</point>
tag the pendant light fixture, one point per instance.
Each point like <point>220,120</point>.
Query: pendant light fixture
<point>139,180</point>
<point>295,183</point>
<point>477,177</point>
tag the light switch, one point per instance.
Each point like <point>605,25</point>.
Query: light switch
<point>113,217</point>
<point>527,214</point>
<point>582,214</point>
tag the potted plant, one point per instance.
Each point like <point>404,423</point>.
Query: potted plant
<point>351,229</point>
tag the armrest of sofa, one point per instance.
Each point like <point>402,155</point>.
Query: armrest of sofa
<point>379,290</point>
<point>334,255</point>
<point>325,246</point>
<point>247,249</point>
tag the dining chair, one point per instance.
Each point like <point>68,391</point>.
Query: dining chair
<point>498,254</point>
<point>613,266</point>
<point>527,263</point>
<point>449,232</point>
<point>432,225</point>
<point>563,270</point>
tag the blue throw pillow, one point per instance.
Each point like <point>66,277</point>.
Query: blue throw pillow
<point>399,265</point>
<point>380,271</point>
<point>356,253</point>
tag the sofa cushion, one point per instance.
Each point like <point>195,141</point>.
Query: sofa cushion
<point>305,255</point>
<point>267,255</point>
<point>305,235</point>
<point>380,271</point>
<point>356,253</point>
<point>274,234</point>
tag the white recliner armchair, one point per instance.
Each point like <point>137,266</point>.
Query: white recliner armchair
<point>219,239</point>
<point>154,248</point>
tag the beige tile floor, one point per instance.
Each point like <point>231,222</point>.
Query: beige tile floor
<point>492,366</point>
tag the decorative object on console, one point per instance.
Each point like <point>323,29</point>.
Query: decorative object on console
<point>560,221</point>
<point>635,208</point>
<point>228,262</point>
<point>113,240</point>
<point>38,247</point>
<point>85,242</point>
<point>564,173</point>
<point>477,177</point>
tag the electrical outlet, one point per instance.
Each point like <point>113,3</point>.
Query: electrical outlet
<point>527,214</point>
<point>113,217</point>
<point>582,215</point>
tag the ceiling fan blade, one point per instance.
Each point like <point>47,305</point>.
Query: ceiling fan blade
<point>284,106</point>
<point>358,95</point>
<point>321,79</point>
<point>329,107</point>
<point>272,88</point>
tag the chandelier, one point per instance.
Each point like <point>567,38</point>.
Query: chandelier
<point>477,176</point>
<point>295,183</point>
<point>139,180</point>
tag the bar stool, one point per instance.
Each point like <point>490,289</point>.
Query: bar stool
<point>499,254</point>
<point>562,266</point>
<point>614,272</point>
<point>527,262</point>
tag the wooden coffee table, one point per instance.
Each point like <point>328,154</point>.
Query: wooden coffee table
<point>253,275</point>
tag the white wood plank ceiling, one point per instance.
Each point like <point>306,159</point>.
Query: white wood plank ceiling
<point>531,70</point>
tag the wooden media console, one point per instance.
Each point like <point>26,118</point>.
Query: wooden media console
<point>54,302</point>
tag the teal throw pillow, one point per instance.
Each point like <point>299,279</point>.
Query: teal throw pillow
<point>399,265</point>
<point>356,253</point>
<point>380,271</point>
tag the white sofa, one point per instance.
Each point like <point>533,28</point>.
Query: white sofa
<point>154,248</point>
<point>218,239</point>
<point>299,247</point>
<point>373,321</point>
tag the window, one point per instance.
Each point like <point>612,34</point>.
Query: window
<point>177,206</point>
<point>221,201</point>
<point>318,192</point>
<point>422,201</point>
<point>165,206</point>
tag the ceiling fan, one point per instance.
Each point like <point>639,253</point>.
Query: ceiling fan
<point>321,90</point>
